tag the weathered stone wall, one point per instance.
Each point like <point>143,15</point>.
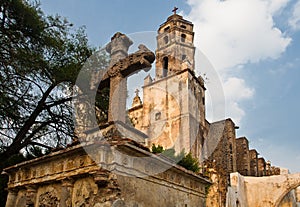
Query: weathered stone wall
<point>105,177</point>
<point>242,154</point>
<point>253,162</point>
<point>174,49</point>
<point>173,112</point>
<point>221,160</point>
<point>289,200</point>
<point>267,191</point>
<point>159,191</point>
<point>236,196</point>
<point>135,115</point>
<point>261,167</point>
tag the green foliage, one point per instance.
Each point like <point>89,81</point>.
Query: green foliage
<point>102,103</point>
<point>190,163</point>
<point>35,151</point>
<point>185,160</point>
<point>207,189</point>
<point>41,57</point>
<point>157,149</point>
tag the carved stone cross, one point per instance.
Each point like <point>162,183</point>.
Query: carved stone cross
<point>121,66</point>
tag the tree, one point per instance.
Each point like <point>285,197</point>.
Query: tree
<point>41,57</point>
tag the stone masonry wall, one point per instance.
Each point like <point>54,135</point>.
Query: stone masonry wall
<point>108,178</point>
<point>242,154</point>
<point>221,162</point>
<point>253,162</point>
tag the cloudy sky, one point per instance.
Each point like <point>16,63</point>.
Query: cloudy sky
<point>252,45</point>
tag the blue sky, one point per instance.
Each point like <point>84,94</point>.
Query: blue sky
<point>252,44</point>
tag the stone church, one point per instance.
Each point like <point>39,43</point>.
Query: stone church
<point>113,164</point>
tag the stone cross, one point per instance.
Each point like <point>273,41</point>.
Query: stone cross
<point>118,47</point>
<point>121,66</point>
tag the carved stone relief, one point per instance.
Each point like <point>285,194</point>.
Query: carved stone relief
<point>48,198</point>
<point>21,199</point>
<point>84,192</point>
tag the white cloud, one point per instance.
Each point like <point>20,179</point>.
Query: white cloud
<point>233,86</point>
<point>232,33</point>
<point>236,91</point>
<point>294,21</point>
<point>276,5</point>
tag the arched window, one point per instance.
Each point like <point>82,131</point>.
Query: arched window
<point>166,29</point>
<point>165,66</point>
<point>183,37</point>
<point>166,39</point>
<point>183,26</point>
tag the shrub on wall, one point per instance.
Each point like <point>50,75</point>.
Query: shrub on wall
<point>185,160</point>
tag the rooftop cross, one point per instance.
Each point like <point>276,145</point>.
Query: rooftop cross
<point>137,92</point>
<point>175,9</point>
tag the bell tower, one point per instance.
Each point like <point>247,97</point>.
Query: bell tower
<point>172,113</point>
<point>175,48</point>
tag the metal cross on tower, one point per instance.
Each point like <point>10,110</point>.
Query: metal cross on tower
<point>137,92</point>
<point>175,9</point>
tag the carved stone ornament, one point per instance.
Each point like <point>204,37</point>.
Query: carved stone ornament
<point>114,71</point>
<point>49,199</point>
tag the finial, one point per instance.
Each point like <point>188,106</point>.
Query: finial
<point>137,92</point>
<point>175,9</point>
<point>136,100</point>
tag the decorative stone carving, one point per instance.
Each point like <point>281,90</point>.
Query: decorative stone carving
<point>49,198</point>
<point>66,193</point>
<point>84,193</point>
<point>101,178</point>
<point>118,47</point>
<point>30,195</point>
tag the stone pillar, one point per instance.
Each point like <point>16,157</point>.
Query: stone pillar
<point>66,193</point>
<point>117,99</point>
<point>11,198</point>
<point>31,195</point>
<point>118,47</point>
<point>118,50</point>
